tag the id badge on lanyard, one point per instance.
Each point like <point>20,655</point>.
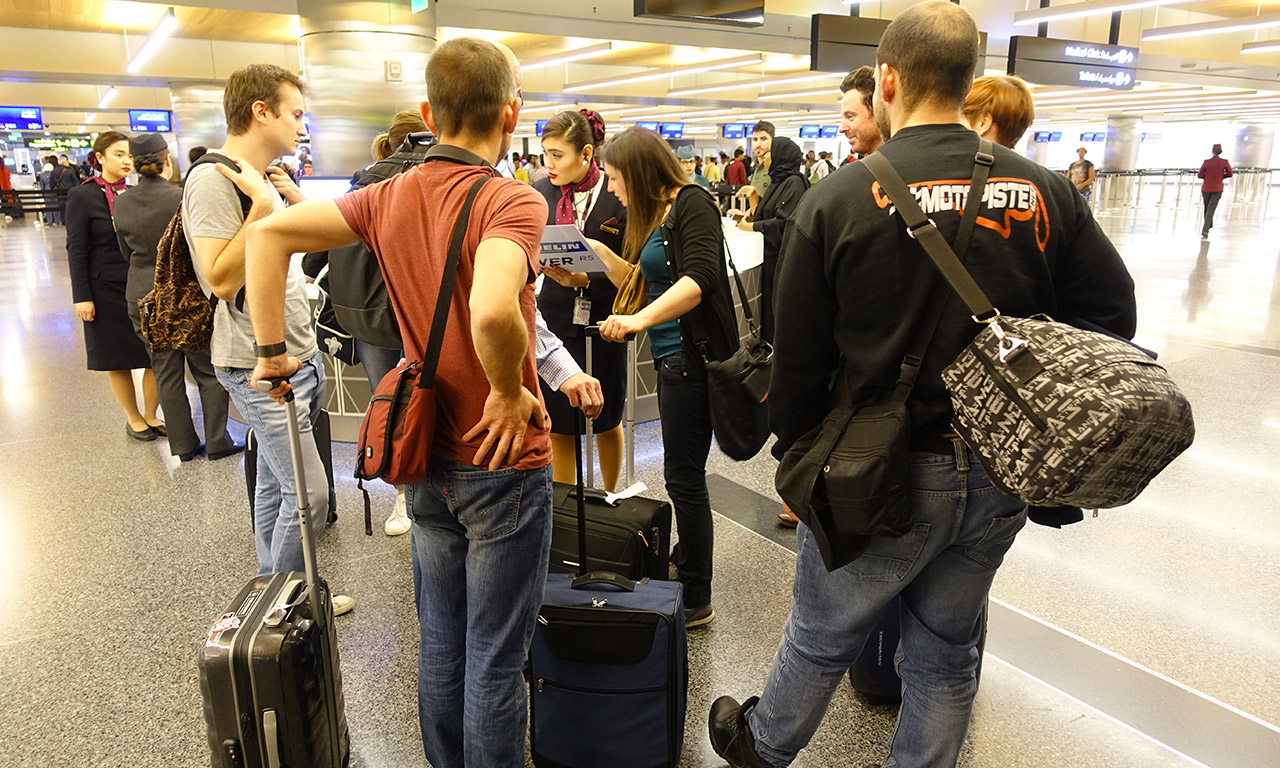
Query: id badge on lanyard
<point>582,308</point>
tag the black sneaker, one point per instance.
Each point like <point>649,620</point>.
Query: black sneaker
<point>697,617</point>
<point>730,736</point>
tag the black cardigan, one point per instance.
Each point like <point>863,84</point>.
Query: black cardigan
<point>694,243</point>
<point>93,252</point>
<point>776,209</point>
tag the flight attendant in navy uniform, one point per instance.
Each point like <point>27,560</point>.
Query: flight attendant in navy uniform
<point>577,193</point>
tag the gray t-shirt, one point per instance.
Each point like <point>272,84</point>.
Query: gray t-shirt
<point>211,208</point>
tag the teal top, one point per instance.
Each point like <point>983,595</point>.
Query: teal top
<point>664,338</point>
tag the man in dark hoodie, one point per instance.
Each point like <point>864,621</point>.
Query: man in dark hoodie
<point>787,184</point>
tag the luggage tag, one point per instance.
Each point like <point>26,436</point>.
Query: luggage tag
<point>582,308</point>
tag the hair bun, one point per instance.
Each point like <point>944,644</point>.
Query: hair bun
<point>597,125</point>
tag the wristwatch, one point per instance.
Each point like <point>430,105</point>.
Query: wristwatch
<point>270,350</point>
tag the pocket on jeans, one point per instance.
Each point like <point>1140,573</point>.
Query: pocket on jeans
<point>996,540</point>
<point>487,503</point>
<point>889,559</point>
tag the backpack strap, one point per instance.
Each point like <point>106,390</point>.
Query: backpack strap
<point>211,158</point>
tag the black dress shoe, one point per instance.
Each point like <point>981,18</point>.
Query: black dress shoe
<point>199,449</point>
<point>730,736</point>
<point>160,430</point>
<point>146,435</point>
<point>232,451</point>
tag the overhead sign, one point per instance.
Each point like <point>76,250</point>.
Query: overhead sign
<point>539,126</point>
<point>1051,61</point>
<point>810,131</point>
<point>844,43</point>
<point>672,131</point>
<point>21,119</point>
<point>648,125</point>
<point>150,120</point>
<point>60,144</point>
<point>829,131</point>
<point>734,130</point>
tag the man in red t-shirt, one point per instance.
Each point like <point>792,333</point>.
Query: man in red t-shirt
<point>482,516</point>
<point>1213,171</point>
<point>736,174</point>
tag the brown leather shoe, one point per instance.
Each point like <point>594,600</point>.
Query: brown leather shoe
<point>786,518</point>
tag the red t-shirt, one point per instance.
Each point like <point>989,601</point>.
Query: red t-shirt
<point>407,221</point>
<point>1213,171</point>
<point>737,173</point>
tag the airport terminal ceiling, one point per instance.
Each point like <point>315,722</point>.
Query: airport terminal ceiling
<point>64,55</point>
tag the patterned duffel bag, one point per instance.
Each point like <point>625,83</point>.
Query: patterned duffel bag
<point>1063,416</point>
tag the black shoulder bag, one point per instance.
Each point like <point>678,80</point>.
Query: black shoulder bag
<point>848,478</point>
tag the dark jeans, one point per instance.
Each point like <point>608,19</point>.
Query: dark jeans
<point>686,441</point>
<point>1210,206</point>
<point>377,361</point>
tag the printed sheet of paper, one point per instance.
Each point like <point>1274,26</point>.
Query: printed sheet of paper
<point>564,246</point>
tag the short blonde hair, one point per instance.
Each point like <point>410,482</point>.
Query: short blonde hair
<point>1008,100</point>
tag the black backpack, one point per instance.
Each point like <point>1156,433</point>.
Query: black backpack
<point>355,287</point>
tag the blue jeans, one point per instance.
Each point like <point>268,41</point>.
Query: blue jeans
<point>377,361</point>
<point>482,541</point>
<point>943,568</point>
<point>277,532</point>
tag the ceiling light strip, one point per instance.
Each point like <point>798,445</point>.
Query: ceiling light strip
<point>1078,10</point>
<point>742,84</point>
<point>159,33</point>
<point>565,57</point>
<point>1262,46</point>
<point>688,69</point>
<point>107,97</point>
<point>1211,27</point>
<point>832,92</point>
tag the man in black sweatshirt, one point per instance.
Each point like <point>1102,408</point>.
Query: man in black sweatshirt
<point>852,290</point>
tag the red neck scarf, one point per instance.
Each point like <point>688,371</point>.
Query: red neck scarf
<point>564,209</point>
<point>111,190</point>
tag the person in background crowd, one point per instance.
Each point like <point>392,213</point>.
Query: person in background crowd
<point>537,172</point>
<point>577,193</point>
<point>482,535</point>
<point>521,172</point>
<point>1000,109</point>
<point>99,273</point>
<point>141,216</point>
<point>689,161</point>
<point>65,162</point>
<point>857,118</point>
<point>506,166</point>
<point>48,180</point>
<point>1213,171</point>
<point>851,290</point>
<point>68,178</point>
<point>773,214</point>
<point>711,169</point>
<point>761,144</point>
<point>736,173</point>
<point>1081,174</point>
<point>306,169</point>
<point>4,173</point>
<point>809,161</point>
<point>688,277</point>
<point>264,107</point>
<point>822,168</point>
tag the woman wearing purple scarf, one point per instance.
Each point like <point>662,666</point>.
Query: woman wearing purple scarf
<point>99,272</point>
<point>577,193</point>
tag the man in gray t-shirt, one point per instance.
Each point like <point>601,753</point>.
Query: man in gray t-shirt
<point>263,123</point>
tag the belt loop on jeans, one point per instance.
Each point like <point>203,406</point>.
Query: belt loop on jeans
<point>962,455</point>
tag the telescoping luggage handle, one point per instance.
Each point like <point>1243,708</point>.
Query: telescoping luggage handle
<point>592,332</point>
<point>300,486</point>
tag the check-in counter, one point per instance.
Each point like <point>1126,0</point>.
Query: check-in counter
<point>347,392</point>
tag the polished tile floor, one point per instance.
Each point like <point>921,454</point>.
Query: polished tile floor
<point>1148,636</point>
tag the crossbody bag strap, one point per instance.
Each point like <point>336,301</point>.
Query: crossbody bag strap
<point>431,356</point>
<point>917,222</point>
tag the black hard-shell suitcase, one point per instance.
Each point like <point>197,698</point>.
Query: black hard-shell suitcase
<point>608,668</point>
<point>630,537</point>
<point>873,674</point>
<point>269,671</point>
<point>324,444</point>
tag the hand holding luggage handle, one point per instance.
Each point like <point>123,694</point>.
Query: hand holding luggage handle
<point>304,499</point>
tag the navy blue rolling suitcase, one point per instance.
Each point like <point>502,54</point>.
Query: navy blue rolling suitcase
<point>608,669</point>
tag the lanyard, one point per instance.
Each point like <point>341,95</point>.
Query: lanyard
<point>580,216</point>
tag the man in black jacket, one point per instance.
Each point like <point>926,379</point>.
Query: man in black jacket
<point>852,289</point>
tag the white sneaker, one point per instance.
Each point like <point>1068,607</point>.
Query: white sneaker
<point>342,604</point>
<point>399,521</point>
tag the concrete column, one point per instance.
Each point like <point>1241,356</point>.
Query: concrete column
<point>198,120</point>
<point>1254,144</point>
<point>363,61</point>
<point>1124,137</point>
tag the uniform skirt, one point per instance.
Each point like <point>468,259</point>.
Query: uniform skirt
<point>110,342</point>
<point>609,360</point>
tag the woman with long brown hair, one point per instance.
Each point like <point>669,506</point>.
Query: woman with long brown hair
<point>99,274</point>
<point>674,238</point>
<point>577,193</point>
